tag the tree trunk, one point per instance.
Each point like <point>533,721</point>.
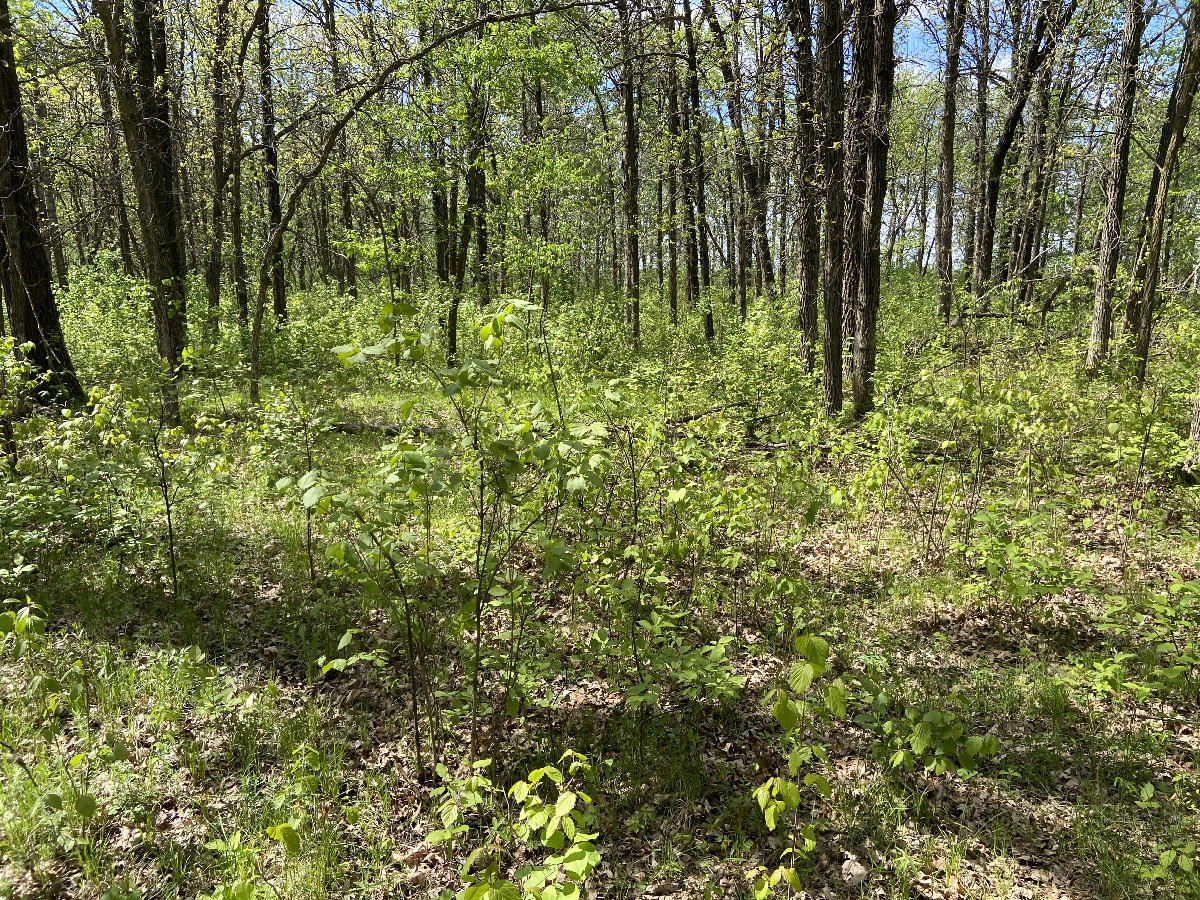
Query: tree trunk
<point>808,228</point>
<point>698,176</point>
<point>749,169</point>
<point>271,163</point>
<point>672,187</point>
<point>629,175</point>
<point>240,288</point>
<point>32,311</point>
<point>216,248</point>
<point>943,227</point>
<point>863,69</point>
<point>1179,109</point>
<point>137,53</point>
<point>876,140</point>
<point>830,62</point>
<point>1040,45</point>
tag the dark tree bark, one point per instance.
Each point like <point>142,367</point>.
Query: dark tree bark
<point>673,137</point>
<point>137,53</point>
<point>1179,110</point>
<point>943,227</point>
<point>876,140</point>
<point>1041,44</point>
<point>348,276</point>
<point>220,102</point>
<point>808,229</point>
<point>749,169</point>
<point>271,163</point>
<point>25,264</point>
<point>858,111</point>
<point>698,175</point>
<point>237,238</point>
<point>830,62</point>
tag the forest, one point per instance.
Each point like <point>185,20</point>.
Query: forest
<point>560,449</point>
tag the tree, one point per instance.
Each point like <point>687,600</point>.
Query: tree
<point>24,259</point>
<point>807,193</point>
<point>943,226</point>
<point>137,56</point>
<point>1143,300</point>
<point>1041,44</point>
<point>875,143</point>
<point>830,61</point>
<point>1118,176</point>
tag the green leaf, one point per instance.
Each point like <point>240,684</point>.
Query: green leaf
<point>86,806</point>
<point>566,803</point>
<point>815,650</point>
<point>785,712</point>
<point>801,676</point>
<point>285,833</point>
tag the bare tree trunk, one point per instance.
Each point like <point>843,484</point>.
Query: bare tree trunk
<point>216,248</point>
<point>629,174</point>
<point>32,311</point>
<point>943,227</point>
<point>697,150</point>
<point>1040,46</point>
<point>862,72</point>
<point>673,132</point>
<point>830,62</point>
<point>876,140</point>
<point>240,288</point>
<point>807,193</point>
<point>271,163</point>
<point>1179,109</point>
<point>137,52</point>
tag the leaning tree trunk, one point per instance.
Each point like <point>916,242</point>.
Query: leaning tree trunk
<point>137,53</point>
<point>830,62</point>
<point>943,227</point>
<point>875,142</point>
<point>1179,109</point>
<point>1041,44</point>
<point>32,311</point>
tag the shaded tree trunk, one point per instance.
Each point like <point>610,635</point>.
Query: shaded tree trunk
<point>25,264</point>
<point>830,62</point>
<point>876,140</point>
<point>216,248</point>
<point>808,229</point>
<point>629,175</point>
<point>137,53</point>
<point>271,164</point>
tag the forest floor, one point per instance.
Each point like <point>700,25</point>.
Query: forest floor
<point>206,719</point>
